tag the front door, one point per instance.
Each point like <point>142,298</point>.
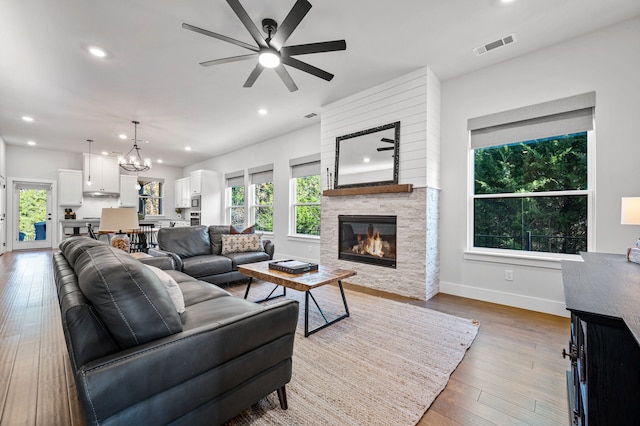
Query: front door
<point>33,227</point>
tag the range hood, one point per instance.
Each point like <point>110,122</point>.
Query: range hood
<point>98,194</point>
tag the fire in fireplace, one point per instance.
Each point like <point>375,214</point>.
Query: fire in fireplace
<point>368,239</point>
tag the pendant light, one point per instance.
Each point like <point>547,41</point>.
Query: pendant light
<point>89,171</point>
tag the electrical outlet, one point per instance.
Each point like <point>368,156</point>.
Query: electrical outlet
<point>508,274</point>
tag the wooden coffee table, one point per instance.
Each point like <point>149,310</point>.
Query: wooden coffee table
<point>301,282</point>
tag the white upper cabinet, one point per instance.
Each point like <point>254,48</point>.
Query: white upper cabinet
<point>196,182</point>
<point>128,191</point>
<point>182,193</point>
<point>69,188</point>
<point>105,174</point>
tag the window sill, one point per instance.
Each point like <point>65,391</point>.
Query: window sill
<point>509,257</point>
<point>305,238</point>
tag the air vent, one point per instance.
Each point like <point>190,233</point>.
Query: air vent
<point>311,115</point>
<point>511,38</point>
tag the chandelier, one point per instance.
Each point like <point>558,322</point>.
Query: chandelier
<point>132,162</point>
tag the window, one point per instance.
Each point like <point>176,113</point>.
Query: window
<point>261,202</point>
<point>150,197</point>
<point>533,194</point>
<point>235,198</point>
<point>306,194</point>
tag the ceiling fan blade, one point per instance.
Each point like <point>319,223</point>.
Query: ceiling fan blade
<point>247,22</point>
<point>303,66</point>
<point>386,148</point>
<point>227,60</point>
<point>220,37</point>
<point>305,49</point>
<point>387,140</point>
<point>297,13</point>
<point>253,76</point>
<point>286,78</point>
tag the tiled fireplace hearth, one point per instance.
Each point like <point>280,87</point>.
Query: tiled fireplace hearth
<point>413,269</point>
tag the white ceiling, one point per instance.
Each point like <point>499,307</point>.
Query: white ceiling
<point>152,73</point>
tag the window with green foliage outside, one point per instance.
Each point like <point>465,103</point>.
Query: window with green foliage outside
<point>236,209</point>
<point>263,206</point>
<point>532,195</point>
<point>150,198</point>
<point>307,205</point>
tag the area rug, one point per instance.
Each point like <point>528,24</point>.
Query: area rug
<point>384,365</point>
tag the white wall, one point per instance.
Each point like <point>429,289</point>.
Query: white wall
<point>606,61</point>
<point>3,158</point>
<point>278,151</point>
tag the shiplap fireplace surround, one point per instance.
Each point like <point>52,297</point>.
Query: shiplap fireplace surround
<point>414,100</point>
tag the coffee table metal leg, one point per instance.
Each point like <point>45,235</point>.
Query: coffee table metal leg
<point>327,323</point>
<point>269,297</point>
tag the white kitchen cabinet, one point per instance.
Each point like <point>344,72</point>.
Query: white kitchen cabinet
<point>182,193</point>
<point>208,185</point>
<point>69,188</point>
<point>105,174</point>
<point>128,191</point>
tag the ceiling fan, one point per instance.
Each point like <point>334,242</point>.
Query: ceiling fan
<point>270,51</point>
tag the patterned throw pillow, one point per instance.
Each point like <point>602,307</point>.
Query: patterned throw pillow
<point>248,230</point>
<point>240,243</point>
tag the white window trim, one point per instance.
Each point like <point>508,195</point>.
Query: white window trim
<point>531,258</point>
<point>292,213</point>
<point>228,206</point>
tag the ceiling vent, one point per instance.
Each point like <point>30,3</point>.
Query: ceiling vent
<point>311,115</point>
<point>511,38</point>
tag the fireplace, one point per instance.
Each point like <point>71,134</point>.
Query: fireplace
<point>368,239</point>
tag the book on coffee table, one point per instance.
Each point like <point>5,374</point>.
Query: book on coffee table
<point>293,266</point>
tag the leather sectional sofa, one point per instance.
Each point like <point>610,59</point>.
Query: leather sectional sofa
<point>136,360</point>
<point>200,251</point>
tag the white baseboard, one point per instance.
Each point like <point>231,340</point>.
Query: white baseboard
<point>547,306</point>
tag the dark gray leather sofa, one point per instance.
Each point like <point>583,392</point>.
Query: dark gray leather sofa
<point>137,361</point>
<point>197,251</point>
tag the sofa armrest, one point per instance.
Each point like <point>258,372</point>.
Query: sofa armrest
<point>163,253</point>
<point>269,247</point>
<point>164,377</point>
<point>162,262</point>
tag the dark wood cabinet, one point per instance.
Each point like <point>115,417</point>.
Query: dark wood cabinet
<point>603,295</point>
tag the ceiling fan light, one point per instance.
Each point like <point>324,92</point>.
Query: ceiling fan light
<point>269,59</point>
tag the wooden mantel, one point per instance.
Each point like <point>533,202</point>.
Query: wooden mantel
<point>381,189</point>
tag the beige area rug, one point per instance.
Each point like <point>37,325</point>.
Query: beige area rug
<point>384,365</point>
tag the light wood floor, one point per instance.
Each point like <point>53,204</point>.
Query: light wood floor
<point>512,374</point>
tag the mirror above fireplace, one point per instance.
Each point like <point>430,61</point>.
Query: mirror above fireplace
<point>368,157</point>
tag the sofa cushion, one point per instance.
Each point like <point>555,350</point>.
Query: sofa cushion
<point>202,266</point>
<point>73,247</point>
<point>130,299</point>
<point>241,243</point>
<point>198,291</point>
<point>249,257</point>
<point>187,241</point>
<point>175,292</point>
<point>215,236</point>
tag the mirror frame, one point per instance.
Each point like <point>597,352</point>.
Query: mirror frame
<point>396,152</point>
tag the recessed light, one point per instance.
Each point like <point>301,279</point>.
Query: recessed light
<point>366,159</point>
<point>187,148</point>
<point>27,118</point>
<point>104,153</point>
<point>122,136</point>
<point>31,143</point>
<point>263,111</point>
<point>159,160</point>
<point>508,1</point>
<point>96,51</point>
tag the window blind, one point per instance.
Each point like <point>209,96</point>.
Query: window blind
<point>261,174</point>
<point>235,178</point>
<point>559,117</point>
<point>305,166</point>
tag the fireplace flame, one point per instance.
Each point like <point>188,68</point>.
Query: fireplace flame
<point>371,245</point>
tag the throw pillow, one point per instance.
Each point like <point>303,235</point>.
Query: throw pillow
<point>175,293</point>
<point>248,230</point>
<point>241,243</point>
